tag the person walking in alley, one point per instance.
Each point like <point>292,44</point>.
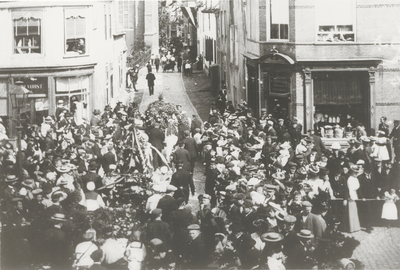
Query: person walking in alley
<point>150,82</point>
<point>157,62</point>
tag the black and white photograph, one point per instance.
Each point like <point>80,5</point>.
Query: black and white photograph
<point>199,134</point>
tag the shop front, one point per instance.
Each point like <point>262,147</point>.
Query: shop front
<point>49,89</point>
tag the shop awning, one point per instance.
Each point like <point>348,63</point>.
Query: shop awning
<point>188,12</point>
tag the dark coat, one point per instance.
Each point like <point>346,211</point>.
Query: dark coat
<point>150,79</point>
<point>312,223</point>
<point>91,177</point>
<point>319,145</point>
<point>368,188</point>
<point>395,134</point>
<point>159,229</point>
<point>196,254</point>
<point>196,123</point>
<point>182,155</point>
<point>156,138</point>
<point>191,146</point>
<point>167,204</point>
<point>108,158</point>
<point>182,179</point>
<point>48,144</point>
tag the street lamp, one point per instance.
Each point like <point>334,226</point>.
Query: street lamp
<point>19,97</point>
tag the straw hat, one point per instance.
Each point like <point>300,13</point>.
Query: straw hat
<point>271,237</point>
<point>305,234</point>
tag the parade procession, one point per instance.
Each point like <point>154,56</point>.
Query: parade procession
<point>174,135</point>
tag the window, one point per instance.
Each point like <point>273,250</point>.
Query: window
<point>74,91</point>
<point>236,46</point>
<point>279,19</point>
<point>232,43</point>
<point>335,21</point>
<point>27,31</point>
<point>75,31</point>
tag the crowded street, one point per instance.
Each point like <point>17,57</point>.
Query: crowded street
<point>199,134</point>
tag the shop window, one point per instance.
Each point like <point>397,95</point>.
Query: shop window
<point>75,93</point>
<point>75,31</point>
<point>335,21</point>
<point>279,19</point>
<point>27,31</point>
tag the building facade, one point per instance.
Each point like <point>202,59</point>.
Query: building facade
<point>66,51</point>
<point>320,61</point>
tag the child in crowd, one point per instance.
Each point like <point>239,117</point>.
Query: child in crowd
<point>389,209</point>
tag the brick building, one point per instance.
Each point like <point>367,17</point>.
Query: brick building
<point>329,61</point>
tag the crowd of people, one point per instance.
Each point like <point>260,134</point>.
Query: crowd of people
<point>274,198</point>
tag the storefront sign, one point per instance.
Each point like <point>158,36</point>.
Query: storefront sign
<point>279,85</point>
<point>38,86</point>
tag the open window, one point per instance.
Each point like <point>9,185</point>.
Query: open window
<point>75,31</point>
<point>27,31</point>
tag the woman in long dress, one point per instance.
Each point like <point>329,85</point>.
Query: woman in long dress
<point>351,220</point>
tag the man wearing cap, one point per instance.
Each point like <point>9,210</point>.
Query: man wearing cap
<point>395,135</point>
<point>132,75</point>
<point>158,228</point>
<point>195,257</point>
<point>9,191</point>
<point>309,221</point>
<point>182,179</point>
<point>302,255</point>
<point>109,158</point>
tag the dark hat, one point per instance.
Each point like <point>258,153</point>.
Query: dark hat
<point>236,227</point>
<point>262,211</point>
<point>248,203</point>
<point>292,164</point>
<point>92,165</point>
<point>96,112</point>
<point>97,255</point>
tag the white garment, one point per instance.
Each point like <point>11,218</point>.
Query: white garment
<point>113,250</point>
<point>82,253</point>
<point>353,185</point>
<point>389,209</point>
<point>152,202</point>
<point>135,254</point>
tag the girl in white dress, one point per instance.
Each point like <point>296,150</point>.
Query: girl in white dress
<point>389,209</point>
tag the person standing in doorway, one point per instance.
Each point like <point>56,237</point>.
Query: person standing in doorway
<point>157,62</point>
<point>150,82</point>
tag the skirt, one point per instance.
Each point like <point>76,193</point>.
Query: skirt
<point>351,221</point>
<point>381,152</point>
<point>389,211</point>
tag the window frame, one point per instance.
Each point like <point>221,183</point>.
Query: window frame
<point>37,14</point>
<point>81,11</point>
<point>269,24</point>
<point>336,25</point>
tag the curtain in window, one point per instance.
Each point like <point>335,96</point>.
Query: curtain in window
<point>27,14</point>
<point>338,91</point>
<point>279,11</point>
<point>75,23</point>
<point>338,12</point>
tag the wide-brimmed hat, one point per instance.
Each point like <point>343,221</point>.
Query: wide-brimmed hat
<point>11,178</point>
<point>29,183</point>
<point>355,168</point>
<point>64,168</point>
<point>278,176</point>
<point>271,237</point>
<point>285,146</point>
<point>314,169</point>
<point>48,119</point>
<point>335,146</point>
<point>305,234</point>
<point>59,217</point>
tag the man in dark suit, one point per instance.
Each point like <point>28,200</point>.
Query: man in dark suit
<point>92,176</point>
<point>318,143</point>
<point>367,190</point>
<point>196,123</point>
<point>308,221</point>
<point>150,82</point>
<point>395,135</point>
<point>182,155</point>
<point>109,158</point>
<point>156,138</point>
<point>168,204</point>
<point>182,179</point>
<point>195,253</point>
<point>159,229</point>
<point>191,146</point>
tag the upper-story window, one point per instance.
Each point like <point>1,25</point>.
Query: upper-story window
<point>75,31</point>
<point>27,31</point>
<point>279,19</point>
<point>335,20</point>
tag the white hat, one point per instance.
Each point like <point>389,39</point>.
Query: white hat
<point>159,188</point>
<point>90,186</point>
<point>112,166</point>
<point>253,181</point>
<point>335,146</point>
<point>164,169</point>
